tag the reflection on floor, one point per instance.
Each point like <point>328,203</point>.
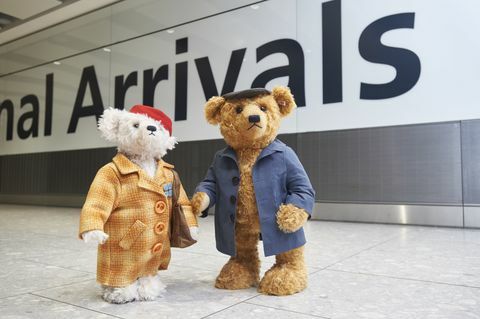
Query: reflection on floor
<point>356,271</point>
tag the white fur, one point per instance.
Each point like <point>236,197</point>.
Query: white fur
<point>137,143</point>
<point>119,295</point>
<point>149,165</point>
<point>194,231</point>
<point>129,132</point>
<point>144,289</point>
<point>150,288</point>
<point>95,236</point>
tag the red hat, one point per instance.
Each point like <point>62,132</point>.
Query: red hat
<point>155,114</point>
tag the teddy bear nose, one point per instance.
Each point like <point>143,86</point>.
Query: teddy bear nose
<point>254,118</point>
<point>151,128</point>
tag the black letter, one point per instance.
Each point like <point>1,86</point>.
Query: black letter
<point>47,130</point>
<point>33,115</point>
<point>405,62</point>
<point>121,88</point>
<point>8,105</point>
<point>295,70</point>
<point>150,82</point>
<point>89,77</point>
<point>332,51</point>
<point>206,75</point>
<point>181,82</point>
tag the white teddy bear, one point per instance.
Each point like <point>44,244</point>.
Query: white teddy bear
<point>128,207</point>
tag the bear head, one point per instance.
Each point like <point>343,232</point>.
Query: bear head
<point>250,118</point>
<point>137,133</point>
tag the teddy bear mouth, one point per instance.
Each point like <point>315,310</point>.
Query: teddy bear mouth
<point>151,133</point>
<point>254,124</point>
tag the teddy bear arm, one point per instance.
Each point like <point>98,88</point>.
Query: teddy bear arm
<point>291,218</point>
<point>101,200</point>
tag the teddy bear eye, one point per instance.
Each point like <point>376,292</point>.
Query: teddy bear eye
<point>263,108</point>
<point>136,125</point>
<point>239,109</point>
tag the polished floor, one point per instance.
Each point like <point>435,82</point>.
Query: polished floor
<point>356,271</point>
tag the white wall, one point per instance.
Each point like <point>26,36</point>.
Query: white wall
<point>444,38</point>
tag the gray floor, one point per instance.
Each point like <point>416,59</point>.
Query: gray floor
<point>356,271</point>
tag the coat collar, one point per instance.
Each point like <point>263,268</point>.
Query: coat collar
<point>125,167</point>
<point>275,146</point>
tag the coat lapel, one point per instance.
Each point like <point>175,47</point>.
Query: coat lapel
<point>275,146</point>
<point>230,153</point>
<point>125,166</point>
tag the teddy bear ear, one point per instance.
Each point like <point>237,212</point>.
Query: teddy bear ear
<point>212,109</point>
<point>284,99</point>
<point>108,124</point>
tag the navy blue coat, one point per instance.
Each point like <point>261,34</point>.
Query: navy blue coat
<point>278,178</point>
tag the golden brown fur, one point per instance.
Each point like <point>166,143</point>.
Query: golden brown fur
<point>197,201</point>
<point>289,274</point>
<point>291,218</point>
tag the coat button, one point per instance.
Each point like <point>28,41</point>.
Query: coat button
<point>160,207</point>
<point>157,248</point>
<point>232,218</point>
<point>235,181</point>
<point>159,228</point>
<point>233,199</point>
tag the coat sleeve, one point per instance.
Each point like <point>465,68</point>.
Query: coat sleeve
<point>300,192</point>
<point>101,200</point>
<point>209,184</point>
<point>187,208</point>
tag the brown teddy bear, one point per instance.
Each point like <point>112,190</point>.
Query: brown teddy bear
<point>260,191</point>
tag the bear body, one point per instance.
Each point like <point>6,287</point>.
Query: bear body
<point>128,207</point>
<point>273,198</point>
<point>249,188</point>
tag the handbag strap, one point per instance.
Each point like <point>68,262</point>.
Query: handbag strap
<point>176,188</point>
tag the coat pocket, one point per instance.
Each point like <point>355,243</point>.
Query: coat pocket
<point>132,234</point>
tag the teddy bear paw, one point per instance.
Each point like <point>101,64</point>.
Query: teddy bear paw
<point>200,202</point>
<point>150,288</point>
<point>283,280</point>
<point>120,295</point>
<point>95,236</point>
<point>291,218</point>
<point>235,275</point>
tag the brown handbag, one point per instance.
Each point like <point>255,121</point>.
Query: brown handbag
<point>180,236</point>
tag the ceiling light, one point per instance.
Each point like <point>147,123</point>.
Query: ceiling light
<point>57,62</point>
<point>170,31</point>
<point>107,50</point>
<point>255,6</point>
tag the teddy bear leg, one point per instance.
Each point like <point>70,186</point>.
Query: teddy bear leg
<point>150,288</point>
<point>120,295</point>
<point>287,276</point>
<point>243,270</point>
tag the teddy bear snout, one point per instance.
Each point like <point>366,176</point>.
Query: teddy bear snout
<point>254,118</point>
<point>151,128</point>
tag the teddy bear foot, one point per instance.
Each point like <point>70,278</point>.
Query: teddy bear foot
<point>282,280</point>
<point>235,275</point>
<point>150,288</point>
<point>120,295</point>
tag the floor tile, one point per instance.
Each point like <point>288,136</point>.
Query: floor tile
<point>246,310</point>
<point>31,306</point>
<point>330,242</point>
<point>446,256</point>
<point>335,294</point>
<point>190,294</point>
<point>356,271</point>
<point>20,276</point>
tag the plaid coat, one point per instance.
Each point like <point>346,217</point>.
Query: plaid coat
<point>134,210</point>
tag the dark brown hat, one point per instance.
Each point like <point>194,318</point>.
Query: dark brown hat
<point>245,94</point>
